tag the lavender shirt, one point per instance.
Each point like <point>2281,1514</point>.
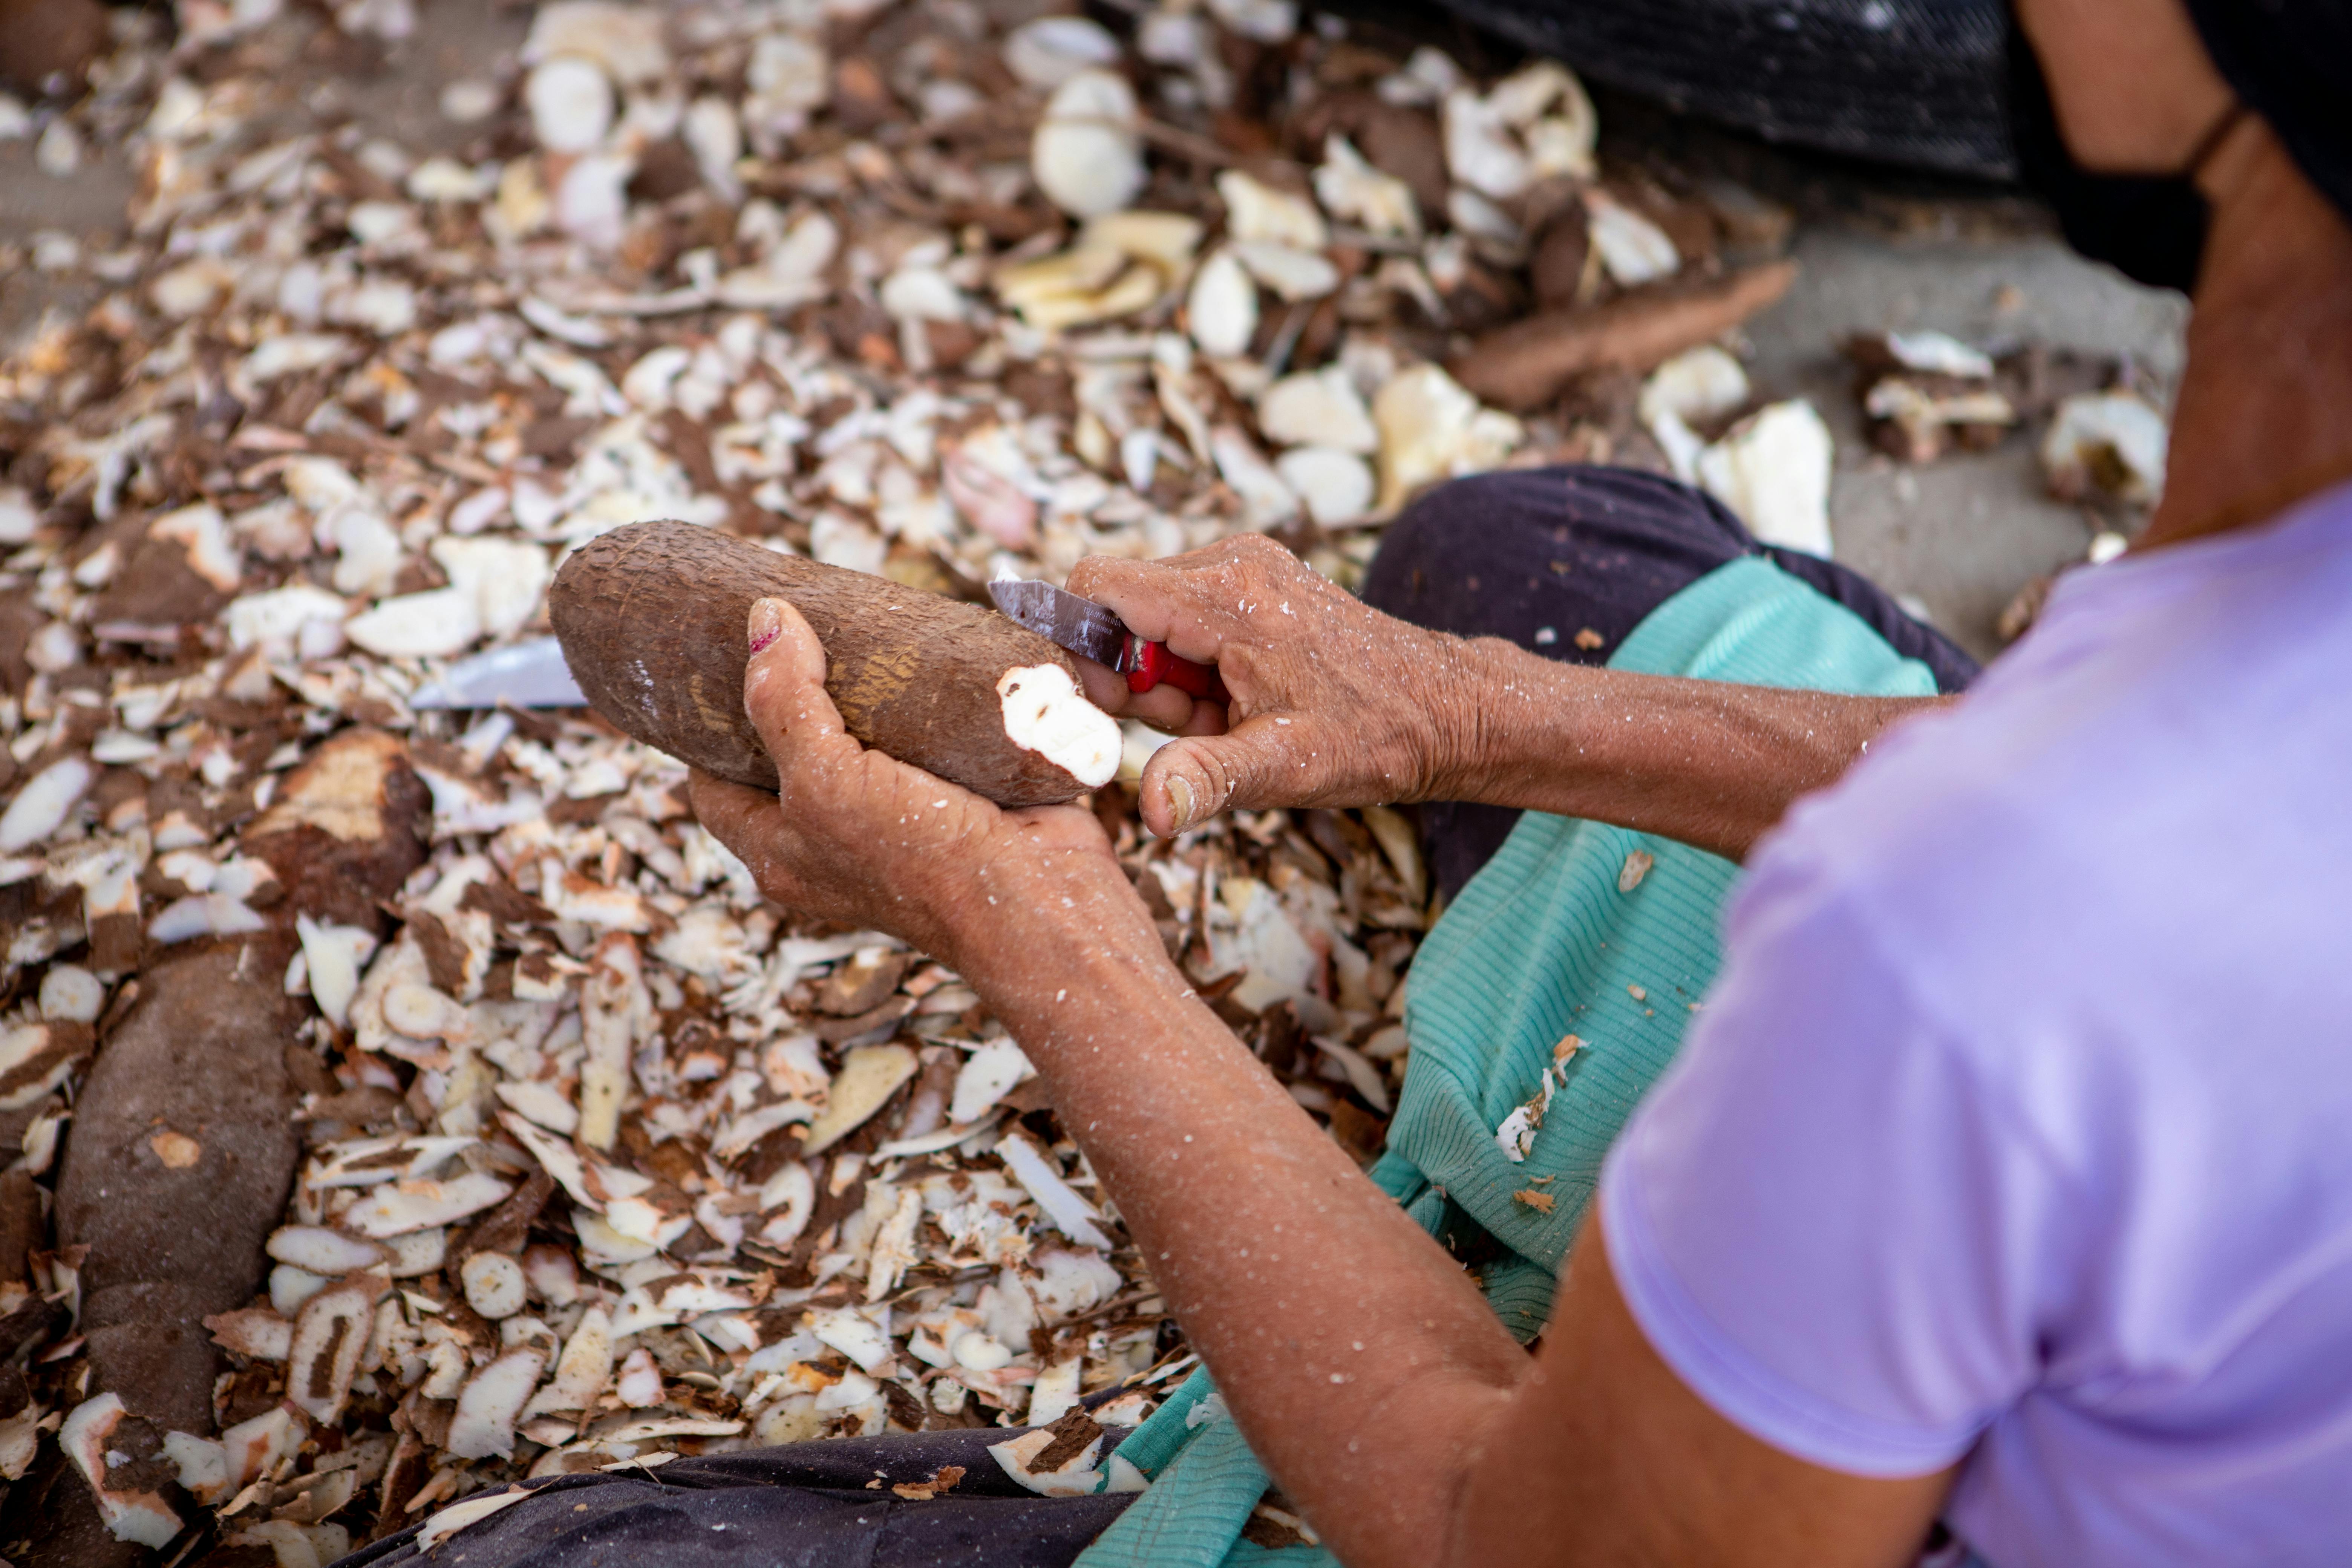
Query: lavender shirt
<point>2016,1133</point>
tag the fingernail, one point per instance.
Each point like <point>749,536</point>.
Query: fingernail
<point>1180,800</point>
<point>767,623</point>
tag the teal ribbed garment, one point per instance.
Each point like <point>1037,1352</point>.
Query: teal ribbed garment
<point>1540,945</point>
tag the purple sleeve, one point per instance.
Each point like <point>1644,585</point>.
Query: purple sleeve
<point>1825,1223</point>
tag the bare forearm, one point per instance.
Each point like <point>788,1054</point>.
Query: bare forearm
<point>1705,762</point>
<point>1331,1321</point>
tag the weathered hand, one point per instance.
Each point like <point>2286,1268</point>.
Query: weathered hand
<point>1333,702</point>
<point>860,837</point>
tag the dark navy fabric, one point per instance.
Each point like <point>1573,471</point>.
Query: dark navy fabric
<point>824,1504</point>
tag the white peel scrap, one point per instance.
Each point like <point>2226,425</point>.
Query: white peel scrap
<point>746,1130</point>
<point>1222,307</point>
<point>323,1250</point>
<point>541,1103</point>
<point>1062,1203</point>
<point>397,1207</point>
<point>556,1158</point>
<point>140,1517</point>
<point>1351,188</point>
<point>43,802</point>
<point>328,1335</point>
<point>1939,354</point>
<point>1773,469</point>
<point>202,1462</point>
<point>683,1298</point>
<point>459,1515</point>
<point>20,1440</point>
<point>1076,1477</point>
<point>494,1284</point>
<point>1335,486</point>
<point>582,1369</point>
<point>366,1161</point>
<point>254,1447</point>
<point>614,1003</point>
<point>334,955</point>
<point>987,1076</point>
<point>1288,272</point>
<point>1634,251</point>
<point>1432,429</point>
<point>1318,409</point>
<point>895,1250</point>
<point>1085,155</point>
<point>853,1333</point>
<point>2110,442</point>
<point>1694,387</point>
<point>786,1201</point>
<point>34,1059</point>
<point>491,1403</point>
<point>1258,211</point>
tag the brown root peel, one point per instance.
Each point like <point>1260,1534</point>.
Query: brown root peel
<point>651,617</point>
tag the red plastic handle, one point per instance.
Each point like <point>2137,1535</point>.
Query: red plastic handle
<point>1150,663</point>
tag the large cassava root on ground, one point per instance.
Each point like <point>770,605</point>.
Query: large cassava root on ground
<point>652,621</point>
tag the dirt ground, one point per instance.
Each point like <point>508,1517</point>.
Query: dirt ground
<point>1879,250</point>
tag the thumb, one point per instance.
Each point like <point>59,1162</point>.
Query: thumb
<point>783,688</point>
<point>1265,762</point>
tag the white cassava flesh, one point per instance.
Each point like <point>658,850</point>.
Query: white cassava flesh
<point>1045,712</point>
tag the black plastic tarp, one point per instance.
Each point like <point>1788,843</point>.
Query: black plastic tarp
<point>1913,82</point>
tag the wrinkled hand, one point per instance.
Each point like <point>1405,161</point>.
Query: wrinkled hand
<point>1333,702</point>
<point>857,837</point>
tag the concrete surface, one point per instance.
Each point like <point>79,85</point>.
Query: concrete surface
<point>1964,533</point>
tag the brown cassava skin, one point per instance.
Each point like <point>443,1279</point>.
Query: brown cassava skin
<point>652,620</point>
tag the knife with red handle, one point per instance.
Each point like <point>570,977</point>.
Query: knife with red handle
<point>1089,630</point>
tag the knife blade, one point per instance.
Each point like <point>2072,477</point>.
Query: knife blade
<point>1090,631</point>
<point>1062,619</point>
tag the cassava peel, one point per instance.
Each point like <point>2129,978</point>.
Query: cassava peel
<point>652,620</point>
